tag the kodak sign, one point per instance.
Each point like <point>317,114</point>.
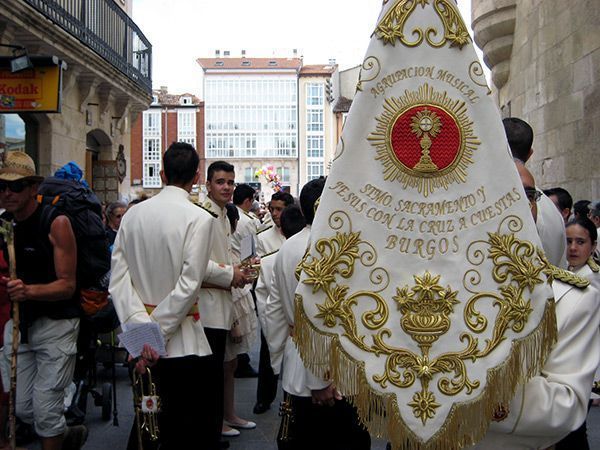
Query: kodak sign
<point>31,90</point>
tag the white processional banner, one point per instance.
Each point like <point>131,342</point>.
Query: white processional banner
<point>425,293</point>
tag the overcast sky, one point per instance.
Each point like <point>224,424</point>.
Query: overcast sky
<point>182,30</point>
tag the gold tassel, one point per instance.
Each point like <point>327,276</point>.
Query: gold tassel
<point>467,422</point>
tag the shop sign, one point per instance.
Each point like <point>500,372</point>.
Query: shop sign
<point>31,90</point>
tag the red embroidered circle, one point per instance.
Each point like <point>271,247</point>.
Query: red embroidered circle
<point>406,144</point>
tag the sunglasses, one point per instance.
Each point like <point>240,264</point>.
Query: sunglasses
<point>533,195</point>
<point>16,186</point>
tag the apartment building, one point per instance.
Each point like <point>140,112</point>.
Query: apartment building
<point>257,115</point>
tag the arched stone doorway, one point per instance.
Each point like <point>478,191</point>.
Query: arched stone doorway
<point>100,166</point>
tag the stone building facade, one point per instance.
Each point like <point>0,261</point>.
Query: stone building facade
<point>544,56</point>
<point>106,83</point>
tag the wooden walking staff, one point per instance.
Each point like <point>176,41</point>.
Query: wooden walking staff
<point>6,230</point>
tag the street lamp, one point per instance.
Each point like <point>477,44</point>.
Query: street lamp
<point>20,60</point>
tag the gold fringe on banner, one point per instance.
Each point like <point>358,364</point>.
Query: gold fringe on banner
<point>467,422</point>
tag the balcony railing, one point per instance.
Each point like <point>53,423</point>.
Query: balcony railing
<point>106,29</point>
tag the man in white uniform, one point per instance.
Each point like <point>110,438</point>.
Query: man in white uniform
<point>216,304</point>
<point>550,224</point>
<point>322,418</point>
<point>292,222</point>
<point>562,200</point>
<point>269,241</point>
<point>243,196</point>
<point>159,260</point>
<point>271,238</point>
<point>554,403</point>
<point>243,199</point>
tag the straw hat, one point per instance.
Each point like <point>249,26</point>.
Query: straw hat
<point>17,166</point>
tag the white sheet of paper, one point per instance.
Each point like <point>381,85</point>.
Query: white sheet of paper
<point>247,247</point>
<point>134,336</point>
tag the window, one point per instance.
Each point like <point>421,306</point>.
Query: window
<point>314,170</point>
<point>151,123</point>
<point>151,161</point>
<point>186,100</point>
<point>314,94</point>
<point>186,126</point>
<point>249,174</point>
<point>188,140</point>
<point>314,120</point>
<point>284,174</point>
<point>151,151</point>
<point>315,135</point>
<point>251,116</point>
<point>314,147</point>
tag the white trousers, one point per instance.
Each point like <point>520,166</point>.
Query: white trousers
<point>45,367</point>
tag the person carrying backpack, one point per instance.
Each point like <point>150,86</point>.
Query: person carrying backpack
<point>46,290</point>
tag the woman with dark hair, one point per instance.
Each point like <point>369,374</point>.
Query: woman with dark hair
<point>582,237</point>
<point>233,215</point>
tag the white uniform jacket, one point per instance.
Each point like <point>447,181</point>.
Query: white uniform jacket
<point>267,221</point>
<point>159,259</point>
<point>216,304</point>
<point>297,380</point>
<point>269,240</point>
<point>246,226</point>
<point>554,403</point>
<point>551,228</point>
<point>590,273</point>
<point>262,292</point>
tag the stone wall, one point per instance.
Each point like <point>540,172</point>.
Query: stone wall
<point>545,62</point>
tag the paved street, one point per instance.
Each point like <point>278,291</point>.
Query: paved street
<point>103,435</point>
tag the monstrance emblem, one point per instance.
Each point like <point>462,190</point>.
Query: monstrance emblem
<point>424,139</point>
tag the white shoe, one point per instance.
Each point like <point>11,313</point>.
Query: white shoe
<point>230,433</point>
<point>246,425</point>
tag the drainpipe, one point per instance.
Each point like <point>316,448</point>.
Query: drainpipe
<point>298,129</point>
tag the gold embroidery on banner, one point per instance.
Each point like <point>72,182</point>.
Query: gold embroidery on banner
<point>370,64</point>
<point>477,76</point>
<point>426,125</point>
<point>392,26</point>
<point>429,179</point>
<point>425,308</point>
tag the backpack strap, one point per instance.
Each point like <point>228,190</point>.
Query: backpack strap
<point>47,216</point>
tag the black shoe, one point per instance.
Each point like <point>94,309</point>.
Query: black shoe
<point>260,408</point>
<point>245,372</point>
<point>224,444</point>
